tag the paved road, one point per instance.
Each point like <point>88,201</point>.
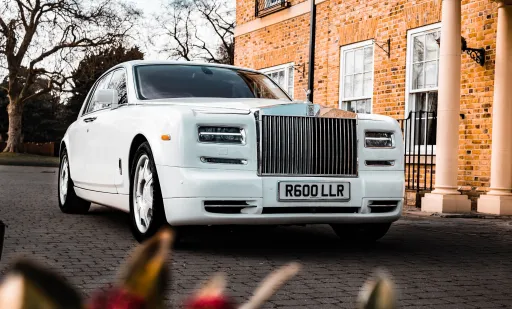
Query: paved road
<point>436,262</point>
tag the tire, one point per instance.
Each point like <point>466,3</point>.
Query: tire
<point>147,213</point>
<point>361,233</point>
<point>69,202</point>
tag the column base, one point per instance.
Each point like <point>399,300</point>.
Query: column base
<point>495,204</point>
<point>446,203</point>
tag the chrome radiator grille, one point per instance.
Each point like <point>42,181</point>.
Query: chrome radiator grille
<point>307,146</point>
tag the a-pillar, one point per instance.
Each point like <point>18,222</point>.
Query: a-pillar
<point>445,197</point>
<point>499,199</point>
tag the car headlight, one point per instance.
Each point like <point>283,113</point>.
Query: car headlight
<point>222,135</point>
<point>379,140</point>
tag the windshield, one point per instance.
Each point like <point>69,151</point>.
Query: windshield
<point>162,81</point>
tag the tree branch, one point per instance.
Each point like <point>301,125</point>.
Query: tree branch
<point>37,94</point>
<point>22,8</point>
<point>3,25</point>
<point>206,49</point>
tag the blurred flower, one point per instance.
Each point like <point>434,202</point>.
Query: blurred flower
<point>378,293</point>
<point>116,299</point>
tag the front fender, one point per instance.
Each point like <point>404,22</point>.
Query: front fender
<point>150,123</point>
<point>65,144</point>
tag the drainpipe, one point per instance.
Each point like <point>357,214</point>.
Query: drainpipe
<point>311,67</point>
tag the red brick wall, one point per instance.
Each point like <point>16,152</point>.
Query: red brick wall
<point>341,23</point>
<point>245,10</point>
<point>277,44</point>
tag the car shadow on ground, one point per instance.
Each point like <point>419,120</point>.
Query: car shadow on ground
<point>279,241</point>
<point>312,240</point>
<point>409,237</point>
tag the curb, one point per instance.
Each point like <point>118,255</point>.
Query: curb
<point>472,215</point>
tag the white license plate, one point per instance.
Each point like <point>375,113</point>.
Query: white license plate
<point>311,191</point>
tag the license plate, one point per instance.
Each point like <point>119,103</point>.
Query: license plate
<point>311,191</point>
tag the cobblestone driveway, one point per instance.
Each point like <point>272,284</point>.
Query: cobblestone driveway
<point>436,262</point>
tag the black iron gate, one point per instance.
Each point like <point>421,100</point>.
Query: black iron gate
<point>419,131</point>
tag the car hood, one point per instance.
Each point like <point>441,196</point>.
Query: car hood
<point>220,103</point>
<point>246,106</point>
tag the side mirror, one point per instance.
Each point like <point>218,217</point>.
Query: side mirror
<point>107,97</point>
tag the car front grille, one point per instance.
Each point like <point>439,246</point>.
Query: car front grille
<point>307,146</point>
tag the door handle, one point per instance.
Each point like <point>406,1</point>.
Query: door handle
<point>90,119</point>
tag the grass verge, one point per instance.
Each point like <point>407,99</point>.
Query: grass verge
<point>25,159</point>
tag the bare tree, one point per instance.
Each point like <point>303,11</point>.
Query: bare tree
<point>199,29</point>
<point>46,36</point>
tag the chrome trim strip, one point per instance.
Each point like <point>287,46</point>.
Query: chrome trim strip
<point>204,159</point>
<point>259,149</point>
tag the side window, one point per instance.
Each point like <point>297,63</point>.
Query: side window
<point>282,75</point>
<point>118,82</point>
<point>93,105</point>
<point>356,85</point>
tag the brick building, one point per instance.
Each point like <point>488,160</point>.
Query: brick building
<point>384,57</point>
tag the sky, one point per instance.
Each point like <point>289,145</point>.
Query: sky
<point>151,52</point>
<point>150,7</point>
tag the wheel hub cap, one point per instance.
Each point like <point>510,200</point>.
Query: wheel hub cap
<point>63,179</point>
<point>143,194</point>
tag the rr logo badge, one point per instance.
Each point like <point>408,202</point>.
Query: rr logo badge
<point>311,110</point>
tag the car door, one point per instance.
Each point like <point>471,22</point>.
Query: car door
<point>79,138</point>
<point>104,137</point>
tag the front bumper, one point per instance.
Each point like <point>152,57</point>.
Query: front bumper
<point>232,197</point>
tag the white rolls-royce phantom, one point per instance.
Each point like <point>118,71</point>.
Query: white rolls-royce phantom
<point>184,143</point>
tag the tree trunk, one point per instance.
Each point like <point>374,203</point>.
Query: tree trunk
<point>15,111</point>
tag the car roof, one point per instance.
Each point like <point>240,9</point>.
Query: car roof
<point>132,63</point>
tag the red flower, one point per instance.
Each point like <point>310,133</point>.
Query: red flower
<point>116,299</point>
<point>210,302</point>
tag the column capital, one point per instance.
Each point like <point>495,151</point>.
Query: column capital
<point>502,3</point>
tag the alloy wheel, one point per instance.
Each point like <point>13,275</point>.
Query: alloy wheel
<point>143,194</point>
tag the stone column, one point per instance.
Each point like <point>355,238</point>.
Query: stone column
<point>499,199</point>
<point>445,197</point>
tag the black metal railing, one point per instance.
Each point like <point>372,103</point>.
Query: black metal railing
<point>419,131</point>
<point>265,7</point>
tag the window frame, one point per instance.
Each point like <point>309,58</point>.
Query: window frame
<point>90,95</point>
<point>271,3</point>
<point>282,67</point>
<point>136,86</point>
<point>409,106</point>
<point>126,84</point>
<point>409,63</point>
<point>341,88</point>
